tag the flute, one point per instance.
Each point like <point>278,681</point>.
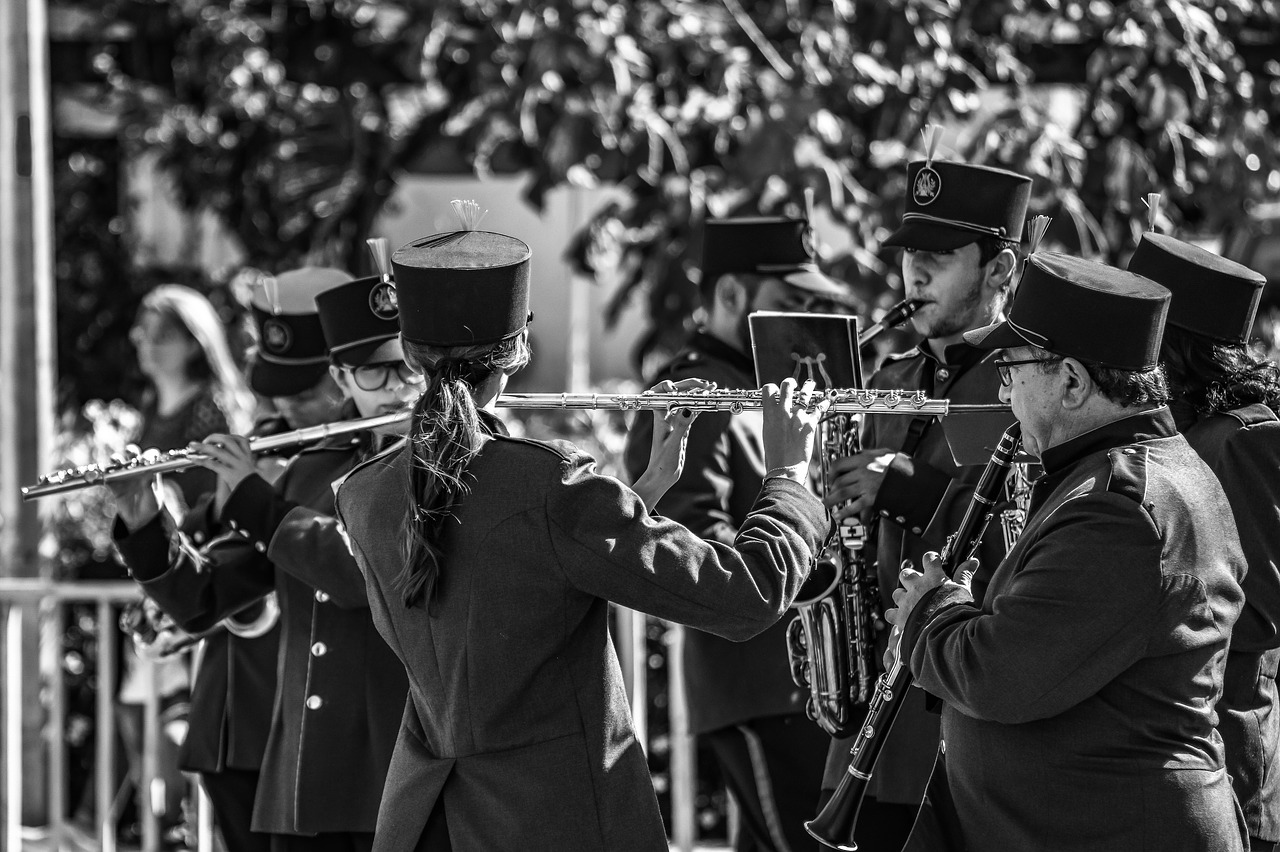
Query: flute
<point>840,401</point>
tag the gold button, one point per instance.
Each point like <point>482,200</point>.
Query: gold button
<point>943,375</point>
<point>942,746</point>
<point>198,537</point>
<point>260,547</point>
<point>901,519</point>
<point>916,531</point>
<point>319,649</point>
<point>314,702</point>
<point>321,596</point>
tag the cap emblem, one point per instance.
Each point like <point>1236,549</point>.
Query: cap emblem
<point>927,188</point>
<point>276,336</point>
<point>382,301</point>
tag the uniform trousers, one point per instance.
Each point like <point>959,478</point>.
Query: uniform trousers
<point>231,793</point>
<point>773,769</point>
<point>343,841</point>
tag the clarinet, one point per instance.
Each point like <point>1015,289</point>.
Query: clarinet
<point>836,824</point>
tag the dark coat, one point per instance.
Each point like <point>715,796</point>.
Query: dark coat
<point>921,502</point>
<point>726,682</point>
<point>341,690</point>
<point>1079,696</point>
<point>518,724</point>
<point>1243,448</point>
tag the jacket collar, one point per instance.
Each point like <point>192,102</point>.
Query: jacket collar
<point>1143,426</point>
<point>956,356</point>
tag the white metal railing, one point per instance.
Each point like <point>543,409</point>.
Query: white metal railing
<point>22,599</point>
<point>46,601</point>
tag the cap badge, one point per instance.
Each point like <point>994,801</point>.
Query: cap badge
<point>276,336</point>
<point>927,188</point>
<point>382,301</point>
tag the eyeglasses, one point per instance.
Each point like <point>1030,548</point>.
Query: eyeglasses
<point>372,377</point>
<point>1002,366</point>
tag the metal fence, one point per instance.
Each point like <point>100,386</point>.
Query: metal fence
<point>46,602</point>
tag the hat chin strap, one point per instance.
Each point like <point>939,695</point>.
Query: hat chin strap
<point>1000,232</point>
<point>1032,338</point>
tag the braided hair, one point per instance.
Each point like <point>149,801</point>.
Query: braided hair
<point>445,433</point>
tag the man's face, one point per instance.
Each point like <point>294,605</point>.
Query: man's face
<point>949,284</point>
<point>1034,393</point>
<point>320,403</point>
<point>774,294</point>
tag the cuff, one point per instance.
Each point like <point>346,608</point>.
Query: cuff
<point>251,511</point>
<point>146,551</point>
<point>911,493</point>
<point>936,600</point>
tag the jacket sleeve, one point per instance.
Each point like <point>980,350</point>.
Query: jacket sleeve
<point>301,541</point>
<point>700,498</point>
<point>1249,469</point>
<point>196,589</point>
<point>609,547</point>
<point>1078,613</point>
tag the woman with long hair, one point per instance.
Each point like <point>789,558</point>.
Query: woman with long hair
<point>1226,399</point>
<point>490,563</point>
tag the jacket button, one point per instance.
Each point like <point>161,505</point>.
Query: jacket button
<point>260,547</point>
<point>942,746</point>
<point>901,519</point>
<point>884,513</point>
<point>314,702</point>
<point>197,537</point>
<point>321,596</point>
<point>231,523</point>
<point>916,531</point>
<point>319,649</point>
<point>943,375</point>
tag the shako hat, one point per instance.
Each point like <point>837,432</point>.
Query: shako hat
<point>291,354</point>
<point>358,318</point>
<point>950,205</point>
<point>462,288</point>
<point>765,245</point>
<point>1212,296</point>
<point>1082,309</point>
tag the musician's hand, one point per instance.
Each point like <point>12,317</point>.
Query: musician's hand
<point>789,428</point>
<point>136,498</point>
<point>670,435</point>
<point>230,458</point>
<point>857,479</point>
<point>914,585</point>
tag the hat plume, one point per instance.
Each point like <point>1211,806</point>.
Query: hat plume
<point>381,251</point>
<point>1036,230</point>
<point>468,212</point>
<point>932,134</point>
<point>1153,209</point>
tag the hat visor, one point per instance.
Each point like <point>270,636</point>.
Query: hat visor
<point>930,236</point>
<point>815,282</point>
<point>374,352</point>
<point>999,335</point>
<point>268,378</point>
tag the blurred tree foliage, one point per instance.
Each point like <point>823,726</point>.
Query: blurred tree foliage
<point>292,119</point>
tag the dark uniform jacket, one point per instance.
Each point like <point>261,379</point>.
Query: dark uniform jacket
<point>1080,696</point>
<point>341,690</point>
<point>727,682</point>
<point>921,502</point>
<point>518,722</point>
<point>1243,448</point>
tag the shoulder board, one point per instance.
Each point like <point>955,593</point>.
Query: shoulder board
<point>1252,415</point>
<point>1129,472</point>
<point>561,449</point>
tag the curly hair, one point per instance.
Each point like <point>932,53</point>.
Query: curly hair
<point>1213,376</point>
<point>445,433</point>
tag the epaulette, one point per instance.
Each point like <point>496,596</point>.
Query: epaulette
<point>1252,415</point>
<point>1129,472</point>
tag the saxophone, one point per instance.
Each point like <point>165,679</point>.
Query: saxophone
<point>831,643</point>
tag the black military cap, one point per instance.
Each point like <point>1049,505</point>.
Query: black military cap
<point>358,318</point>
<point>1085,310</point>
<point>1212,296</point>
<point>950,205</point>
<point>762,245</point>
<point>291,355</point>
<point>463,288</point>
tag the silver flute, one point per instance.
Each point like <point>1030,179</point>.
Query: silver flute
<point>839,401</point>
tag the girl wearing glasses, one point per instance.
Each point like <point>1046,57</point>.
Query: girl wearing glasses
<point>491,562</point>
<point>341,691</point>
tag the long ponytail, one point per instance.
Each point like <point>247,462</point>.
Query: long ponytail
<point>445,433</point>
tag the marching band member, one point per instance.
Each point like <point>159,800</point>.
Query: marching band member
<point>742,700</point>
<point>1079,692</point>
<point>1225,401</point>
<point>490,563</point>
<point>960,234</point>
<point>341,690</point>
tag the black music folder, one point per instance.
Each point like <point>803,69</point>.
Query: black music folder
<point>822,347</point>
